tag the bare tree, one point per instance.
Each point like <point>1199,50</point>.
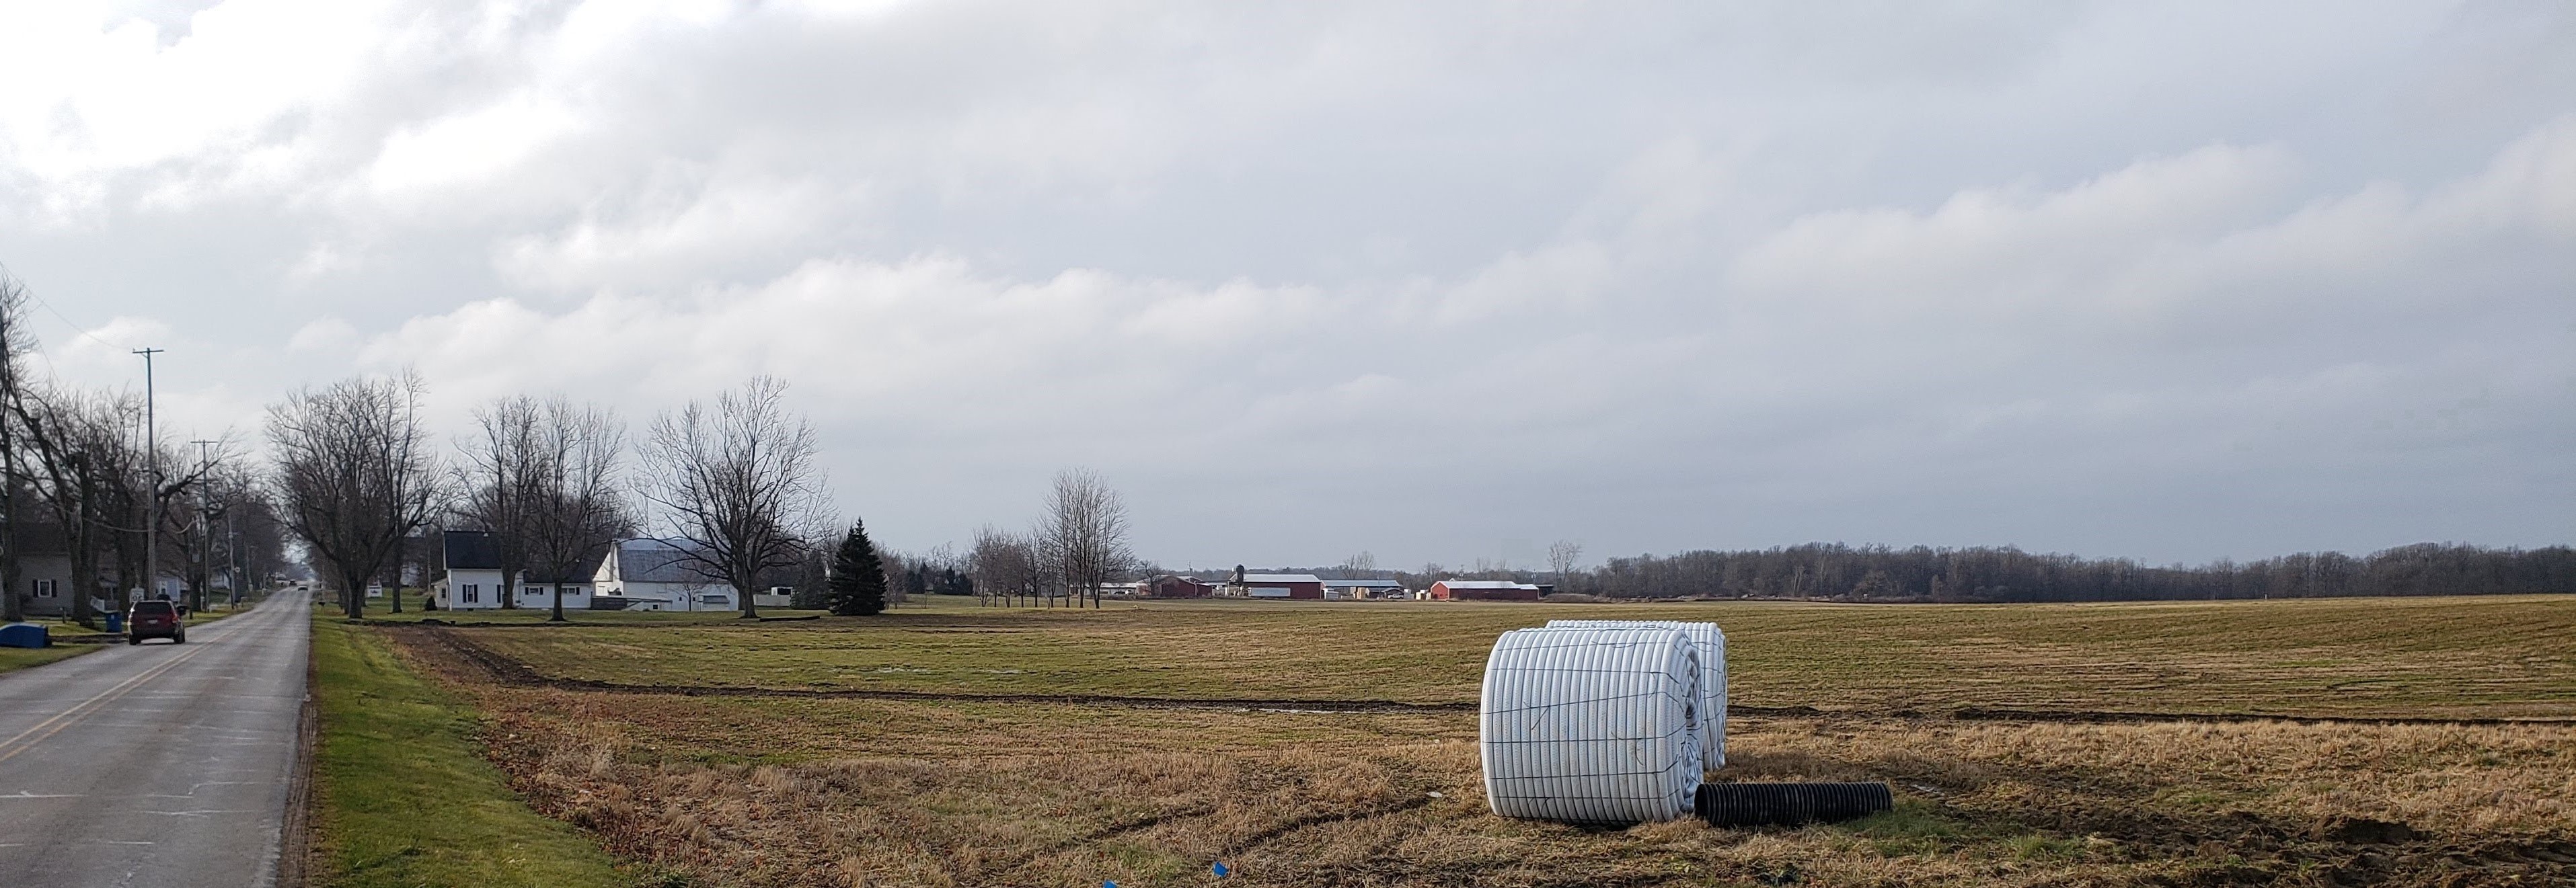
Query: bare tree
<point>1362,563</point>
<point>255,540</point>
<point>1005,566</point>
<point>188,510</point>
<point>738,483</point>
<point>76,440</point>
<point>1561,558</point>
<point>1083,533</point>
<point>356,474</point>
<point>14,343</point>
<point>499,483</point>
<point>580,506</point>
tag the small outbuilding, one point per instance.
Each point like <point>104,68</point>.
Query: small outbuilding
<point>1304,587</point>
<point>1484,590</point>
<point>1359,590</point>
<point>1177,586</point>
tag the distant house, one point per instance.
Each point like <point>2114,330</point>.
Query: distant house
<point>1484,590</point>
<point>45,584</point>
<point>650,574</point>
<point>473,565</point>
<point>1296,586</point>
<point>1177,586</point>
<point>1359,590</point>
<point>473,582</point>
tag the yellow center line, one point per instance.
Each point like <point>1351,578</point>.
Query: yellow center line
<point>11,747</point>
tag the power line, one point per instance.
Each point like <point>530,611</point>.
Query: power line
<point>67,321</point>
<point>56,312</point>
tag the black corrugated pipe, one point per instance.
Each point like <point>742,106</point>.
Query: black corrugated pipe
<point>1790,804</point>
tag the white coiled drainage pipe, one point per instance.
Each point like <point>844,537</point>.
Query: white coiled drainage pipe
<point>1591,725</point>
<point>1711,642</point>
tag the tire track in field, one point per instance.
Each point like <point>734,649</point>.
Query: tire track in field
<point>506,670</point>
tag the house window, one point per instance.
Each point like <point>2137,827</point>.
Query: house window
<point>471,592</point>
<point>44,588</point>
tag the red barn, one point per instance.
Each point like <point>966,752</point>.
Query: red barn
<point>1483,590</point>
<point>1298,586</point>
<point>1176,586</point>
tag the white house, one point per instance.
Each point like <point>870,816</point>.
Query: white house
<point>650,574</point>
<point>474,578</point>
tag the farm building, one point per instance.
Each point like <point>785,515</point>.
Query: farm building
<point>473,581</point>
<point>1298,586</point>
<point>650,574</point>
<point>1356,590</point>
<point>1177,586</point>
<point>1484,590</point>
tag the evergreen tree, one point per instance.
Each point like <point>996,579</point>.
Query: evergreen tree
<point>858,576</point>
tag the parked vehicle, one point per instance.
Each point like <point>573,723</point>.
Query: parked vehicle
<point>155,619</point>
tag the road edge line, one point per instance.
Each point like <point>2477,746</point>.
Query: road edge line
<point>295,830</point>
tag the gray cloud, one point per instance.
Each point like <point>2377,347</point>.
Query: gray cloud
<point>2157,281</point>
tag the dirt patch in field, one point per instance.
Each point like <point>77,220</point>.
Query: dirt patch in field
<point>501,668</point>
<point>505,670</point>
<point>836,789</point>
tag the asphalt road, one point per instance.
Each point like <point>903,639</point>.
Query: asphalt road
<point>158,765</point>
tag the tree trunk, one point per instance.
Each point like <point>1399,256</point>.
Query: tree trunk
<point>558,616</point>
<point>353,594</point>
<point>11,609</point>
<point>84,566</point>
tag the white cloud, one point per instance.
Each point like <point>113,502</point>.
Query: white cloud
<point>325,336</point>
<point>469,150</point>
<point>1689,276</point>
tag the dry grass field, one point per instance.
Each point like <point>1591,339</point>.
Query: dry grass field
<point>612,727</point>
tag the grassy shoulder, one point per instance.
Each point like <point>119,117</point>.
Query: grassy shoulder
<point>13,659</point>
<point>401,796</point>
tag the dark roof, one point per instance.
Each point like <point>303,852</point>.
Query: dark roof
<point>474,550</point>
<point>471,550</point>
<point>40,538</point>
<point>583,572</point>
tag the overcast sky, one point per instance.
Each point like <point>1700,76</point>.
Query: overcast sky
<point>1439,282</point>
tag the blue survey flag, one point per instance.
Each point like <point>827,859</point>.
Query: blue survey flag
<point>1219,869</point>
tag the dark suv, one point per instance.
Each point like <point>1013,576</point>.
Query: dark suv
<point>154,619</point>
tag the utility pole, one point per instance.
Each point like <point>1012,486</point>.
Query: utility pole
<point>232,556</point>
<point>152,482</point>
<point>205,523</point>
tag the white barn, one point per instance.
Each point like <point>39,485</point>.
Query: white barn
<point>650,574</point>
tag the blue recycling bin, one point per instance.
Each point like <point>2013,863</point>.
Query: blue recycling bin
<point>115,622</point>
<point>23,635</point>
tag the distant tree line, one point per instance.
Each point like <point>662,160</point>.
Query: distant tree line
<point>1840,572</point>
<point>1835,571</point>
